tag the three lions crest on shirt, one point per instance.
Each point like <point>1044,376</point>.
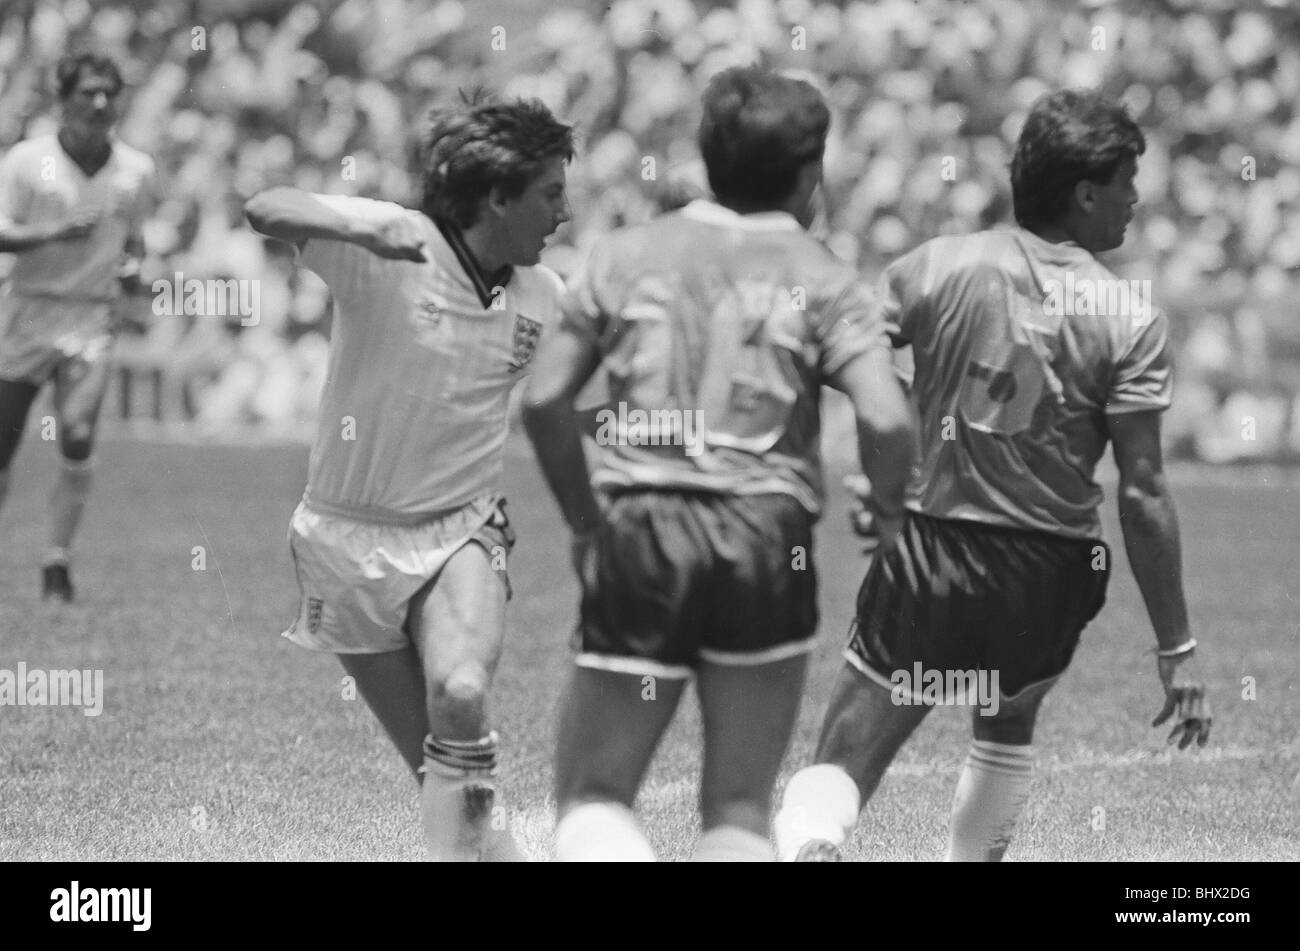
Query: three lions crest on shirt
<point>527,331</point>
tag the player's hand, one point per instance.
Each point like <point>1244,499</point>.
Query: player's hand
<point>76,227</point>
<point>880,531</point>
<point>401,239</point>
<point>1185,700</point>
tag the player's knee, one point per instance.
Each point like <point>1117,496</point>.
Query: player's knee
<point>464,686</point>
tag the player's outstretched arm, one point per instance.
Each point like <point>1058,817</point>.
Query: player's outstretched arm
<point>1149,521</point>
<point>563,365</point>
<point>886,434</point>
<point>296,216</point>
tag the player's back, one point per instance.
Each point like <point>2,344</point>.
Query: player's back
<point>717,331</point>
<point>1021,348</point>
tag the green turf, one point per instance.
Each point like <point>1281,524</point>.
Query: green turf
<point>208,709</point>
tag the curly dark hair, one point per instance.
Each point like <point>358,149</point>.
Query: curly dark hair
<point>758,130</point>
<point>466,149</point>
<point>1070,136</point>
<point>71,67</point>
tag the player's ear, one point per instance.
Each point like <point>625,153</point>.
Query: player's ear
<point>494,202</point>
<point>1085,195</point>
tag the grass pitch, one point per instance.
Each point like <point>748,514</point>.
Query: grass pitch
<point>220,741</point>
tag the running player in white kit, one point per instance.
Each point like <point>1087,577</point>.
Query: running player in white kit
<point>401,539</point>
<point>72,206</point>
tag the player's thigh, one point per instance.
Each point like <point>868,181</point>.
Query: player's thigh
<point>16,398</point>
<point>79,387</point>
<point>610,724</point>
<point>749,712</point>
<point>458,622</point>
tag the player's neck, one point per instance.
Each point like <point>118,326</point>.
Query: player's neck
<point>487,250</point>
<point>91,152</point>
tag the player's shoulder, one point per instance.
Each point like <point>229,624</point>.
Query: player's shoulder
<point>538,284</point>
<point>133,158</point>
<point>30,152</point>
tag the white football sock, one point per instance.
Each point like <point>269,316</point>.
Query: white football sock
<point>821,802</point>
<point>732,844</point>
<point>601,832</point>
<point>991,791</point>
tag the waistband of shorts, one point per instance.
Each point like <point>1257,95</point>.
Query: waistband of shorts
<point>1009,531</point>
<point>697,492</point>
<point>376,516</point>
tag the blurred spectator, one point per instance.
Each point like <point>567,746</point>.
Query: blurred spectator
<point>928,96</point>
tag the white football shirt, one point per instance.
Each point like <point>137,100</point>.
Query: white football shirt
<point>413,417</point>
<point>39,181</point>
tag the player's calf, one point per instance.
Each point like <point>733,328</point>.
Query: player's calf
<point>995,779</point>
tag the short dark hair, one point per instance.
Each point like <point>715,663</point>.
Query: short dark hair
<point>466,149</point>
<point>1069,136</point>
<point>71,68</point>
<point>757,131</point>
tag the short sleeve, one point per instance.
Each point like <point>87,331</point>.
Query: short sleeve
<point>15,200</point>
<point>1143,378</point>
<point>849,327</point>
<point>335,262</point>
<point>898,291</point>
<point>581,312</point>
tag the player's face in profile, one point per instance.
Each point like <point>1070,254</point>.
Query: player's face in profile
<point>533,217</point>
<point>92,106</point>
<point>1113,207</point>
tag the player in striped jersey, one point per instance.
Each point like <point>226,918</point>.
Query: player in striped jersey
<point>717,326</point>
<point>72,206</point>
<point>401,539</point>
<point>1029,357</point>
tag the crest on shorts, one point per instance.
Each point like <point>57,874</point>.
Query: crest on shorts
<point>315,608</point>
<point>527,331</point>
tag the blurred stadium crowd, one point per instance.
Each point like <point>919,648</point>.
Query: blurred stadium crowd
<point>231,96</point>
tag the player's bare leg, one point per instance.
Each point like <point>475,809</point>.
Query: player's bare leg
<point>863,731</point>
<point>610,725</point>
<point>15,402</point>
<point>995,779</point>
<point>749,713</point>
<point>458,625</point>
<point>392,684</point>
<point>79,387</point>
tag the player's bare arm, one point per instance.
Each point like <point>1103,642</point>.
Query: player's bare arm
<point>17,238</point>
<point>886,433</point>
<point>1150,524</point>
<point>296,216</point>
<point>561,368</point>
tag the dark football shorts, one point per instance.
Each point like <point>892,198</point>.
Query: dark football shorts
<point>676,578</point>
<point>963,596</point>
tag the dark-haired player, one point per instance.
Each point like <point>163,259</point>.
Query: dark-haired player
<point>721,322</point>
<point>401,537</point>
<point>72,205</point>
<point>1001,563</point>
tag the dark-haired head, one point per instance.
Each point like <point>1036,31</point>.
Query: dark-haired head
<point>470,148</point>
<point>499,165</point>
<point>762,136</point>
<point>1074,166</point>
<point>76,66</point>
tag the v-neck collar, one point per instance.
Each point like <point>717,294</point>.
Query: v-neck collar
<point>482,281</point>
<point>81,168</point>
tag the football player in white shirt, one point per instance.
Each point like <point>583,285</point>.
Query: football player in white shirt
<point>71,209</point>
<point>401,538</point>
